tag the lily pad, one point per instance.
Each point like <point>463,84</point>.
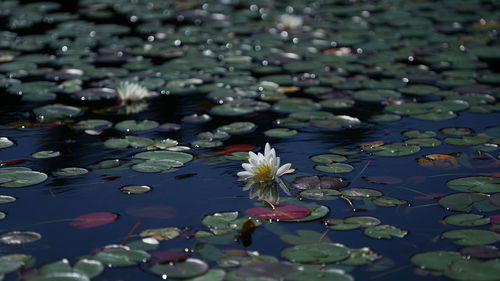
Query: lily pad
<point>283,212</point>
<point>20,177</point>
<point>472,237</point>
<point>475,184</point>
<point>165,155</point>
<point>132,125</point>
<point>135,189</point>
<point>384,232</point>
<point>316,253</point>
<point>45,154</point>
<point>92,220</point>
<point>320,194</point>
<point>466,220</point>
<point>280,132</point>
<point>335,168</point>
<point>463,202</point>
<point>72,171</point>
<point>19,237</point>
<point>435,260</point>
<point>186,269</point>
<point>120,256</point>
<point>5,142</point>
<point>165,233</point>
<point>56,111</point>
<point>396,149</point>
<point>471,269</point>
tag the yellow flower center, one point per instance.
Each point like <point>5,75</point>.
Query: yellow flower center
<point>263,172</point>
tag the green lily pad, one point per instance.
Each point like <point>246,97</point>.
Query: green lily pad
<point>328,158</point>
<point>467,140</point>
<point>56,111</point>
<point>93,124</point>
<point>45,154</point>
<point>157,166</point>
<point>160,234</point>
<point>423,142</point>
<point>316,253</point>
<point>385,117</point>
<point>19,237</point>
<point>388,201</point>
<point>165,155</point>
<point>463,202</point>
<point>238,128</point>
<point>396,150</point>
<point>319,276</point>
<point>132,141</point>
<point>83,270</point>
<point>360,193</point>
<point>334,168</point>
<point>305,236</point>
<point>416,134</point>
<point>475,184</point>
<point>337,103</point>
<point>335,122</point>
<point>319,194</point>
<point>72,171</point>
<point>280,132</point>
<point>472,237</point>
<point>186,269</point>
<point>5,142</point>
<point>120,256</point>
<point>352,222</point>
<point>435,260</point>
<point>20,177</point>
<point>291,105</point>
<point>384,232</point>
<point>132,125</point>
<point>5,199</point>
<point>361,256</point>
<point>466,220</point>
<point>471,269</point>
<point>376,95</point>
<point>456,131</point>
<point>9,264</point>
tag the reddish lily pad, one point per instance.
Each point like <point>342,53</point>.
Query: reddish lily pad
<point>91,220</point>
<point>283,212</point>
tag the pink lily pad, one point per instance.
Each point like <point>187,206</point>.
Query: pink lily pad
<point>495,219</point>
<point>283,212</point>
<point>169,256</point>
<point>91,220</point>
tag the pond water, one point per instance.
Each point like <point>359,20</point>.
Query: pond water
<point>123,126</point>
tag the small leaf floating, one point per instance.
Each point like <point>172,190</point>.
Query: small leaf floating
<point>92,220</point>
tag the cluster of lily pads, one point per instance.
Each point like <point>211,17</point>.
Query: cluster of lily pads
<point>277,70</point>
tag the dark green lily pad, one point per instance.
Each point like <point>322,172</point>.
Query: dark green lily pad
<point>396,150</point>
<point>93,124</point>
<point>416,134</point>
<point>361,256</point>
<point>359,193</point>
<point>5,199</point>
<point>466,220</point>
<point>472,237</point>
<point>5,142</point>
<point>120,256</point>
<point>376,95</point>
<point>319,194</point>
<point>9,264</point>
<point>280,132</point>
<point>471,269</point>
<point>328,158</point>
<point>20,177</point>
<point>385,117</point>
<point>56,111</point>
<point>335,122</point>
<point>435,260</point>
<point>19,237</point>
<point>186,269</point>
<point>388,201</point>
<point>319,276</point>
<point>165,155</point>
<point>72,171</point>
<point>45,154</point>
<point>384,232</point>
<point>334,168</point>
<point>423,142</point>
<point>456,131</point>
<point>475,184</point>
<point>467,140</point>
<point>132,125</point>
<point>237,128</point>
<point>463,202</point>
<point>316,253</point>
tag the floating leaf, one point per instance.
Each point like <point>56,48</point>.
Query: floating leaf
<point>72,171</point>
<point>319,194</point>
<point>463,202</point>
<point>55,111</point>
<point>5,142</point>
<point>384,232</point>
<point>45,154</point>
<point>165,233</point>
<point>283,212</point>
<point>9,264</point>
<point>20,177</point>
<point>466,220</point>
<point>388,201</point>
<point>280,132</point>
<point>120,256</point>
<point>132,125</point>
<point>435,260</point>
<point>475,184</point>
<point>396,149</point>
<point>472,237</point>
<point>5,199</point>
<point>481,251</point>
<point>315,182</point>
<point>186,269</point>
<point>471,269</point>
<point>334,168</point>
<point>135,189</point>
<point>305,236</point>
<point>19,237</point>
<point>359,193</point>
<point>238,128</point>
<point>361,256</point>
<point>316,253</point>
<point>92,220</point>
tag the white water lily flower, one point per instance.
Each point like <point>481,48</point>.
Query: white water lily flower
<point>288,21</point>
<point>130,92</point>
<point>263,167</point>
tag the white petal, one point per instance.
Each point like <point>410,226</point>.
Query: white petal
<point>245,174</point>
<point>283,169</point>
<point>267,149</point>
<point>247,166</point>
